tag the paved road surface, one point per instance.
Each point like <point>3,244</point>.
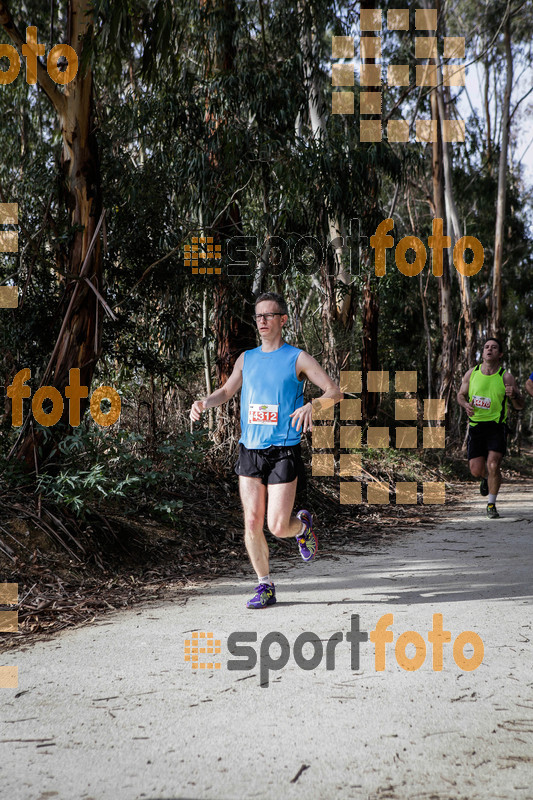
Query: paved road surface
<point>112,711</point>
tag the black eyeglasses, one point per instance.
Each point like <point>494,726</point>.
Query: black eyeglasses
<point>267,317</point>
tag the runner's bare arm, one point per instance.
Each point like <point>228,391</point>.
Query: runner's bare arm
<point>307,366</point>
<point>222,395</point>
<point>529,386</point>
<point>462,394</point>
<point>512,391</point>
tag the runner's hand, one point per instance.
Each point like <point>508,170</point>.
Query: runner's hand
<point>470,409</point>
<point>303,418</point>
<point>197,408</point>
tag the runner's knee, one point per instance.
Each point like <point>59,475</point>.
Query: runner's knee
<point>253,522</point>
<point>277,528</point>
<point>477,470</point>
<point>493,466</point>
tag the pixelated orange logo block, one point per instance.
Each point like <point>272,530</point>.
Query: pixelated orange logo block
<point>9,621</point>
<point>370,74</point>
<point>379,437</point>
<point>9,243</point>
<point>202,248</point>
<point>199,648</point>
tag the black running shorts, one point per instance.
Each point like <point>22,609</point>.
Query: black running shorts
<point>486,436</point>
<point>271,465</point>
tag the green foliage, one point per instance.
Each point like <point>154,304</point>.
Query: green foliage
<point>100,470</point>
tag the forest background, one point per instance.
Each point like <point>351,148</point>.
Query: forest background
<point>213,118</point>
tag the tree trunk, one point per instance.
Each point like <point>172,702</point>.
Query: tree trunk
<point>232,319</point>
<point>444,283</point>
<point>486,107</point>
<point>263,263</point>
<point>496,321</point>
<point>79,345</point>
<point>453,229</point>
<point>370,310</point>
<point>427,331</point>
<point>369,352</point>
<point>233,326</point>
<point>330,353</point>
<point>317,118</point>
<point>207,360</point>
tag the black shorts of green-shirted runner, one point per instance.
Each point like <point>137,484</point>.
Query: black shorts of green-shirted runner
<point>486,436</point>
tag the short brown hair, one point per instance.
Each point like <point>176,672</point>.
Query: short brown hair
<point>274,298</point>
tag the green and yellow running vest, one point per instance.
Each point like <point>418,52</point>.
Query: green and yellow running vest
<point>487,395</point>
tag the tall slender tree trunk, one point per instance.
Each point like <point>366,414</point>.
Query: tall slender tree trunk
<point>370,305</point>
<point>453,229</point>
<point>231,316</point>
<point>496,321</point>
<point>263,262</point>
<point>79,345</point>
<point>427,331</point>
<point>486,108</point>
<point>447,361</point>
<point>207,360</point>
<point>330,353</point>
<point>338,306</point>
<point>369,352</point>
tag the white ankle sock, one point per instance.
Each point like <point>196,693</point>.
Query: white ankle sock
<point>302,529</point>
<point>266,579</point>
<point>492,498</point>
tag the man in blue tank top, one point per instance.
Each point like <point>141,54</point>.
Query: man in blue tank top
<point>273,417</point>
<point>484,393</point>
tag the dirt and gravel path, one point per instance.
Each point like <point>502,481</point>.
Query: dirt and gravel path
<point>113,710</point>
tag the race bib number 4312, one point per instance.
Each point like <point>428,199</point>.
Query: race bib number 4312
<point>480,402</point>
<point>260,414</point>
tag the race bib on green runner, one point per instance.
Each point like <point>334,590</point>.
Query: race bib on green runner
<point>261,414</point>
<point>481,402</point>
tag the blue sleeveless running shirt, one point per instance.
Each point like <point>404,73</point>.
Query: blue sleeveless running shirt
<point>270,392</point>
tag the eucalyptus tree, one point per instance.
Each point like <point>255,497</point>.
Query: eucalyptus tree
<point>501,39</point>
<point>79,343</point>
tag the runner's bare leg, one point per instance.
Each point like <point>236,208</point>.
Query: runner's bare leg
<point>494,459</point>
<point>253,497</point>
<point>279,513</point>
<point>478,467</point>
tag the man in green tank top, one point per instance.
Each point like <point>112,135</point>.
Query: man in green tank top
<point>484,394</point>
